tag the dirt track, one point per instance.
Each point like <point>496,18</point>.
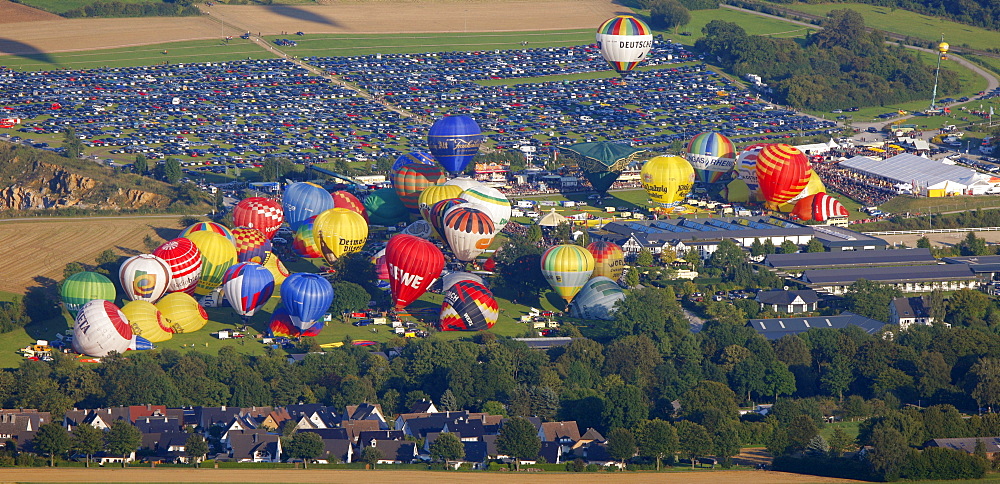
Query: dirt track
<point>396,477</point>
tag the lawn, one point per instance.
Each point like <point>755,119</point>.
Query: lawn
<point>849,428</point>
<point>195,51</point>
<point>324,45</point>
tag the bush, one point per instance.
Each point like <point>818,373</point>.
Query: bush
<point>824,466</point>
<point>938,463</point>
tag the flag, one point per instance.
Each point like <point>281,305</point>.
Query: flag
<point>991,112</point>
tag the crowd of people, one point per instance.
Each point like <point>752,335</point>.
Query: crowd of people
<point>866,190</point>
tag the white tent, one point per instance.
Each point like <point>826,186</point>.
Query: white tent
<point>552,219</point>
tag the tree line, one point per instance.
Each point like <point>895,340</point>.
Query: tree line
<point>981,13</point>
<point>166,8</point>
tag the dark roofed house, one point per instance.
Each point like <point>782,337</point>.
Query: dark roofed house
<point>552,452</point>
<point>908,311</point>
<point>423,406</point>
<point>355,427</point>
<point>394,451</point>
<point>338,450</point>
<point>367,411</point>
<point>788,301</point>
<point>477,452</point>
<point>777,327</point>
<point>255,447</point>
<point>158,424</point>
<point>848,259</point>
<point>967,444</point>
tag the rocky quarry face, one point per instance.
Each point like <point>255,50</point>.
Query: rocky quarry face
<point>49,186</point>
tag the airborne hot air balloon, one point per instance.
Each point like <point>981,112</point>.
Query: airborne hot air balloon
<point>217,254</point>
<point>248,286</point>
<point>306,297</point>
<point>83,287</point>
<point>181,313</point>
<point>712,155</point>
<point>609,259</point>
<point>468,306</point>
<point>491,201</point>
<point>146,321</point>
<point>208,227</point>
<point>385,208</point>
<point>624,42</point>
<point>602,162</point>
<point>339,231</point>
<point>434,194</point>
<point>418,157</point>
<point>278,270</point>
<point>259,213</point>
<point>185,264</point>
<point>667,180</point>
<point>303,200</point>
<point>437,211</point>
<point>410,180</point>
<point>454,141</point>
<point>144,277</point>
<point>100,328</point>
<point>345,199</point>
<point>597,299</point>
<point>251,244</point>
<point>304,241</point>
<point>782,171</point>
<point>567,268</point>
<point>819,207</point>
<point>414,264</point>
<point>469,232</point>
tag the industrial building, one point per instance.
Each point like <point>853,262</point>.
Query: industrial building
<point>921,175</point>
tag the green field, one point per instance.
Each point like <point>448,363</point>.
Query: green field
<point>324,45</point>
<point>63,6</point>
<point>176,53</point>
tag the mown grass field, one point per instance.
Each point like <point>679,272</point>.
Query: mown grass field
<point>63,6</point>
<point>195,51</point>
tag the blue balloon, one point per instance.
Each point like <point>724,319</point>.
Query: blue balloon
<point>306,297</point>
<point>303,200</point>
<point>412,157</point>
<point>248,286</point>
<point>454,141</point>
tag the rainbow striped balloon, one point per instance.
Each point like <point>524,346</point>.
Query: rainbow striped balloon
<point>782,171</point>
<point>624,42</point>
<point>209,227</point>
<point>413,179</point>
<point>712,155</point>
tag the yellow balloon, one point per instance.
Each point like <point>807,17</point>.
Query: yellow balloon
<point>147,321</point>
<point>183,314</point>
<point>737,191</point>
<point>217,254</point>
<point>567,267</point>
<point>434,194</point>
<point>339,231</point>
<point>943,47</point>
<point>278,270</point>
<point>667,180</point>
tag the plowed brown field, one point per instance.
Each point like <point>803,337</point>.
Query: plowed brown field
<point>12,13</point>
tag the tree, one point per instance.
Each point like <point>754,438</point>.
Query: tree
<point>644,258</point>
<point>789,247</point>
<point>534,233</point>
<point>72,144</point>
<point>923,243</point>
<point>839,442</point>
<point>196,447</point>
<point>350,297</point>
<point>519,270</point>
<point>973,245</point>
<point>889,451</point>
<point>726,443</point>
<point>631,277</point>
<point>87,440</point>
<point>801,430</point>
<point>818,446</point>
<point>448,401</point>
<point>815,245</point>
<point>122,439</point>
<point>668,14</point>
<point>967,307</point>
<point>52,439</point>
<point>73,268</point>
<point>172,170</point>
<point>656,439</point>
<point>371,455</point>
<point>694,440</point>
<point>871,299</point>
<point>986,376</point>
<point>621,444</point>
<point>306,446</point>
<point>447,447</point>
<point>141,164</point>
<point>519,439</point>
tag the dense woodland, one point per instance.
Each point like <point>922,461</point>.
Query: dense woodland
<point>981,13</point>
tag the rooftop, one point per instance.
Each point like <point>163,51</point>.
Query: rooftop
<point>778,327</point>
<point>851,258</point>
<point>939,272</point>
<point>908,168</point>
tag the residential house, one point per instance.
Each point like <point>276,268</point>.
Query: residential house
<point>165,446</point>
<point>20,428</point>
<point>150,425</point>
<point>788,301</point>
<point>423,406</point>
<point>367,411</point>
<point>355,427</point>
<point>206,417</point>
<point>393,451</point>
<point>551,452</point>
<point>967,444</point>
<point>908,311</point>
<point>255,446</point>
<point>275,419</point>
<point>591,435</point>
<point>565,434</point>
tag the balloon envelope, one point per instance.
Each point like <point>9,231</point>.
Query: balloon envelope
<point>712,155</point>
<point>667,180</point>
<point>217,254</point>
<point>100,328</point>
<point>782,172</point>
<point>420,228</point>
<point>454,141</point>
<point>624,42</point>
<point>146,321</point>
<point>251,244</point>
<point>208,227</point>
<point>144,277</point>
<point>434,194</point>
<point>468,306</point>
<point>609,259</point>
<point>413,157</point>
<point>344,199</point>
<point>185,264</point>
<point>437,212</point>
<point>278,270</point>
<point>248,286</point>
<point>306,297</point>
<point>304,241</point>
<point>413,264</point>
<point>746,168</point>
<point>411,180</point>
<point>82,287</point>
<point>567,268</point>
<point>385,208</point>
<point>182,313</point>
<point>737,191</point>
<point>303,200</point>
<point>602,162</point>
<point>281,325</point>
<point>469,232</point>
<point>463,182</point>
<point>597,299</point>
<point>339,231</point>
<point>491,201</point>
<point>819,207</point>
<point>259,213</point>
<point>451,278</point>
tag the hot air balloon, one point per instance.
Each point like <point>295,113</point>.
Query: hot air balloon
<point>420,228</point>
<point>146,321</point>
<point>737,191</point>
<point>469,232</point>
<point>83,287</point>
<point>434,194</point>
<point>468,306</point>
<point>746,168</point>
<point>414,264</point>
<point>385,208</point>
<point>491,201</point>
<point>304,241</point>
<point>278,270</point>
<point>100,328</point>
<point>813,186</point>
<point>567,268</point>
<point>712,155</point>
<point>381,270</point>
<point>251,244</point>
<point>418,157</point>
<point>782,171</point>
<point>624,42</point>
<point>306,297</point>
<point>437,211</point>
<point>602,162</point>
<point>208,227</point>
<point>819,207</point>
<point>667,180</point>
<point>344,199</point>
<point>184,259</point>
<point>463,182</point>
<point>217,254</point>
<point>259,213</point>
<point>454,141</point>
<point>247,286</point>
<point>609,259</point>
<point>339,231</point>
<point>451,278</point>
<point>144,277</point>
<point>303,200</point>
<point>597,299</point>
<point>281,325</point>
<point>182,313</point>
<point>410,180</point>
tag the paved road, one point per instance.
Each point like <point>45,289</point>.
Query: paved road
<point>696,322</point>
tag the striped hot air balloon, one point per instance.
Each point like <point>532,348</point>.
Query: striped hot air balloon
<point>434,194</point>
<point>304,241</point>
<point>251,244</point>
<point>469,231</point>
<point>185,264</point>
<point>217,254</point>
<point>468,306</point>
<point>101,328</point>
<point>248,286</point>
<point>783,172</point>
<point>746,169</point>
<point>208,227</point>
<point>344,199</point>
<point>609,259</point>
<point>414,264</point>
<point>411,180</point>
<point>260,213</point>
<point>491,201</point>
<point>83,287</point>
<point>597,299</point>
<point>624,42</point>
<point>437,211</point>
<point>819,207</point>
<point>567,268</point>
<point>712,155</point>
<point>306,297</point>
